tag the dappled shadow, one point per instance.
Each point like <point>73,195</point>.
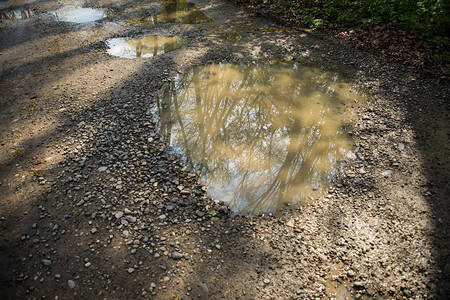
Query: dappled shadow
<point>58,203</point>
<point>223,257</point>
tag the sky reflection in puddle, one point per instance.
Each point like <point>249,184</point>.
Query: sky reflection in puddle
<point>145,47</point>
<point>78,14</point>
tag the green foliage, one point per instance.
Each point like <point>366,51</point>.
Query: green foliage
<point>428,18</point>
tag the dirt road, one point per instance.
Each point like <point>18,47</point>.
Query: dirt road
<point>94,204</point>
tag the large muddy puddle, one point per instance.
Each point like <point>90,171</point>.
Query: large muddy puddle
<point>145,47</point>
<point>175,11</point>
<point>262,134</point>
<point>78,14</point>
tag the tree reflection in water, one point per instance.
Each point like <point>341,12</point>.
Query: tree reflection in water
<point>262,134</point>
<point>146,46</point>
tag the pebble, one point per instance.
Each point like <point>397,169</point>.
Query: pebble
<point>94,230</point>
<point>204,287</point>
<point>119,214</point>
<point>266,281</point>
<point>386,173</point>
<point>47,262</point>
<point>102,169</point>
<point>131,219</point>
<point>130,270</point>
<point>71,283</point>
<point>176,255</point>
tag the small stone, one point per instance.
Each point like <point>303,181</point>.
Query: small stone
<point>200,213</point>
<point>215,219</point>
<point>130,270</point>
<point>88,264</point>
<point>358,284</point>
<point>127,211</point>
<point>266,281</point>
<point>400,147</point>
<point>176,255</point>
<point>125,233</point>
<point>162,217</point>
<point>58,276</point>
<point>119,214</point>
<point>102,169</point>
<point>386,173</point>
<point>133,251</point>
<point>71,283</point>
<point>94,230</point>
<point>47,262</point>
<point>290,223</point>
<point>204,287</point>
<point>131,219</point>
<point>351,273</point>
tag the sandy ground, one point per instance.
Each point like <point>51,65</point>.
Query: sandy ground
<point>95,205</point>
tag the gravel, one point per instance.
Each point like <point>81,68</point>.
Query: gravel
<point>122,208</point>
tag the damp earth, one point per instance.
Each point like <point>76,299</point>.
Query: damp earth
<point>262,134</point>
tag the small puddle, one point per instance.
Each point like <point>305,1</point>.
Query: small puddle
<point>175,11</point>
<point>146,46</point>
<point>78,14</point>
<point>262,134</point>
<point>16,15</point>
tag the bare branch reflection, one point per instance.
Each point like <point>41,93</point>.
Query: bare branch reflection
<point>261,134</point>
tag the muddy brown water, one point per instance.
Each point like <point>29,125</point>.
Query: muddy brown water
<point>263,134</point>
<point>175,11</point>
<point>145,47</point>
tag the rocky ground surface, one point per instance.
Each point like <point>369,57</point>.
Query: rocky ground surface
<point>95,205</point>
